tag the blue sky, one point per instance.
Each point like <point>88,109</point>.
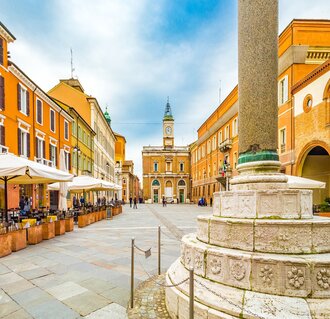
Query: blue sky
<point>132,54</point>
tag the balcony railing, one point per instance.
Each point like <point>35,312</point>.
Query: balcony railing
<point>44,161</point>
<point>3,149</point>
<point>226,145</point>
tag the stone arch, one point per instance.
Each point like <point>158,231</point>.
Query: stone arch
<point>304,152</point>
<point>326,99</point>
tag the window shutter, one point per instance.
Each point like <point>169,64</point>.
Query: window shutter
<point>37,148</point>
<point>39,111</point>
<point>27,103</point>
<point>28,144</point>
<point>50,151</point>
<point>18,96</point>
<point>56,156</point>
<point>1,51</point>
<point>2,93</point>
<point>44,149</point>
<point>69,155</point>
<point>19,142</point>
<point>3,136</point>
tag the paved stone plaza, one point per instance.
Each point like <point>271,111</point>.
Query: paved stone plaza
<point>86,273</point>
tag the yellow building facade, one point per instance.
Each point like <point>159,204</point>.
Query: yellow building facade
<point>166,168</point>
<point>303,46</point>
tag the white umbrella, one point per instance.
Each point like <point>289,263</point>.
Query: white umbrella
<point>305,183</point>
<point>18,170</point>
<point>63,187</point>
<point>84,183</point>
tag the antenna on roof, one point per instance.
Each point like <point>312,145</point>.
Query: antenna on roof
<point>72,68</point>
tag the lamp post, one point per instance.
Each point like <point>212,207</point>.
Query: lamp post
<point>78,152</point>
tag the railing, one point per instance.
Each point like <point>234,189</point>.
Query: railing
<point>3,149</point>
<point>44,161</point>
<point>226,145</point>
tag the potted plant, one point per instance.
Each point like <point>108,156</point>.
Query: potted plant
<point>5,243</point>
<point>48,230</point>
<point>34,234</point>
<point>60,227</point>
<point>69,224</point>
<point>18,239</point>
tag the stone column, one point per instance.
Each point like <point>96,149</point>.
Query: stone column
<point>257,79</point>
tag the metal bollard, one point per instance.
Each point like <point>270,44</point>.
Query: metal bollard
<point>159,252</point>
<point>191,293</point>
<point>132,273</point>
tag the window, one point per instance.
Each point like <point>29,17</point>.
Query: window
<point>214,143</point>
<point>2,137</point>
<point>169,166</point>
<point>67,157</point>
<point>227,132</point>
<point>23,143</point>
<point>124,180</point>
<point>53,154</point>
<point>2,93</point>
<point>220,137</point>
<point>79,132</point>
<point>1,51</point>
<point>155,182</point>
<point>155,167</point>
<point>283,90</point>
<point>84,137</point>
<point>235,159</point>
<point>39,111</point>
<point>23,100</point>
<point>208,146</point>
<point>40,150</point>
<point>235,127</point>
<point>181,167</point>
<point>308,103</point>
<point>282,139</point>
<point>182,182</point>
<point>74,128</point>
<point>66,130</point>
<point>203,150</point>
<point>52,120</point>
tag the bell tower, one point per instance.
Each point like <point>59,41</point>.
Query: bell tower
<point>168,127</point>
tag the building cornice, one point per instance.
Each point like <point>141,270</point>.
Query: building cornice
<point>320,70</point>
<point>6,34</point>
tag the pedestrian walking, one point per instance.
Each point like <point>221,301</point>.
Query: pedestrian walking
<point>164,201</point>
<point>135,203</point>
<point>130,201</point>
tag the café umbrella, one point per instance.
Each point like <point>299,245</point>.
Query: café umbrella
<point>19,170</point>
<point>304,183</point>
<point>85,183</point>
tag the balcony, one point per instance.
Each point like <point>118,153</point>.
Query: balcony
<point>44,161</point>
<point>3,149</point>
<point>226,145</point>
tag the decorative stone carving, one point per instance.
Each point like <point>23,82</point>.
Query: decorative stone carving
<point>247,206</point>
<point>215,265</point>
<point>306,204</point>
<point>199,262</point>
<point>228,205</point>
<point>237,270</point>
<point>230,233</point>
<point>323,278</point>
<point>296,277</point>
<point>266,273</point>
<point>203,229</point>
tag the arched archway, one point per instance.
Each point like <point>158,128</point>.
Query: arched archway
<point>169,191</point>
<point>155,191</point>
<point>315,164</point>
<point>182,191</point>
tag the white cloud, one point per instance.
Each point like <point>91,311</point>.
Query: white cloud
<point>123,63</point>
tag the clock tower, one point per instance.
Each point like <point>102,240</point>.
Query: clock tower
<point>168,127</point>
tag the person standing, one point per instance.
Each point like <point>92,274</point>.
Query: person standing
<point>135,203</point>
<point>130,201</point>
<point>82,201</point>
<point>27,205</point>
<point>164,201</point>
<point>211,201</point>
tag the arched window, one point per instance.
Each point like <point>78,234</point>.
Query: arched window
<point>155,182</point>
<point>168,184</point>
<point>182,182</point>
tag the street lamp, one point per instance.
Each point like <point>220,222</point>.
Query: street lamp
<point>78,152</point>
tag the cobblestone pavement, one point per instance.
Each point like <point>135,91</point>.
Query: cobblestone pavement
<point>86,273</point>
<point>149,300</point>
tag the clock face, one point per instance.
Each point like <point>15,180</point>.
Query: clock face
<point>168,130</point>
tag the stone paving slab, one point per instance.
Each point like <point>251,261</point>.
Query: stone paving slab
<point>113,310</point>
<point>86,303</point>
<point>96,259</point>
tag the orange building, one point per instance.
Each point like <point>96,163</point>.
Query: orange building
<point>120,155</point>
<point>303,46</point>
<point>32,124</point>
